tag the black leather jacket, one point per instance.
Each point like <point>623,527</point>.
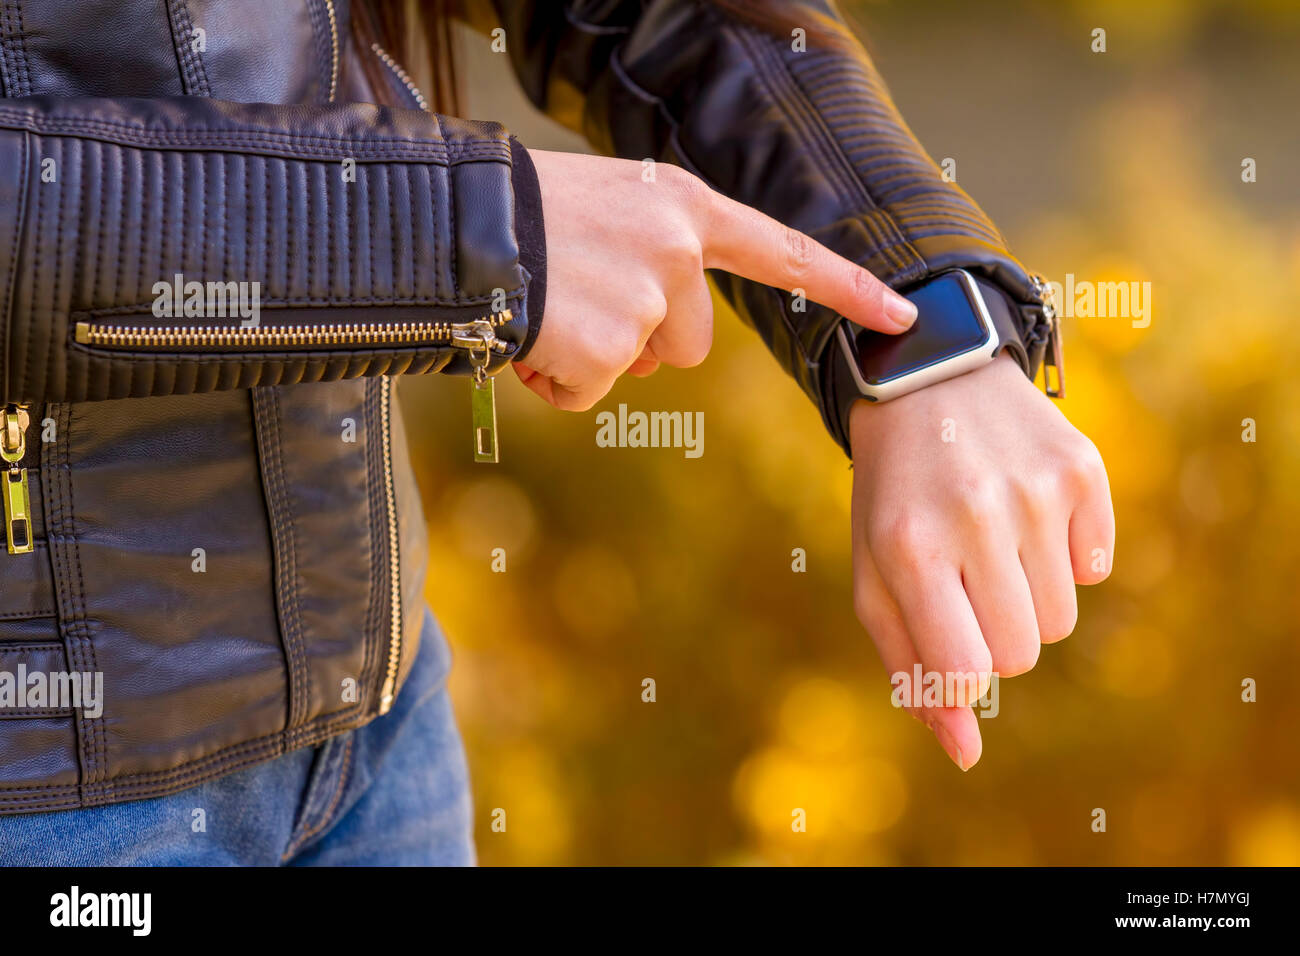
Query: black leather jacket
<point>223,518</point>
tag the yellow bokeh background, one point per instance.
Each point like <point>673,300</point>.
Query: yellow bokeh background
<point>771,738</point>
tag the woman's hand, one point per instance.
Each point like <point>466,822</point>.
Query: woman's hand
<point>625,288</point>
<point>976,509</point>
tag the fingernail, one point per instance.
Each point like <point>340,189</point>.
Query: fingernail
<point>900,311</point>
<point>950,748</point>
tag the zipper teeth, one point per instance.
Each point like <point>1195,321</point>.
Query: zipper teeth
<point>392,333</point>
<point>402,75</point>
<point>334,49</point>
<point>394,565</point>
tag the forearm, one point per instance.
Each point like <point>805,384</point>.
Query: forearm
<point>808,136</point>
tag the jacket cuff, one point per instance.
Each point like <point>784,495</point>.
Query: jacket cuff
<point>530,233</point>
<point>431,199</point>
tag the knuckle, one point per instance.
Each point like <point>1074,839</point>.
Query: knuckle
<point>980,503</point>
<point>688,188</point>
<point>968,674</point>
<point>686,253</point>
<point>1017,659</point>
<point>690,252</point>
<point>977,661</point>
<point>906,540</point>
<point>694,352</point>
<point>1038,494</point>
<point>622,350</point>
<point>1058,623</point>
<point>868,288</point>
<point>1083,465</point>
<point>605,355</point>
<point>571,400</point>
<point>650,314</point>
<point>698,339</point>
<point>798,251</point>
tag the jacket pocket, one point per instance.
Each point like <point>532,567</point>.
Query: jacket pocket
<point>39,768</point>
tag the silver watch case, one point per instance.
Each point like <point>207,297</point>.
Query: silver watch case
<point>939,371</point>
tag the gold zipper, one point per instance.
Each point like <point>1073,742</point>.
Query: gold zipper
<point>334,49</point>
<point>388,692</point>
<point>17,496</point>
<point>1055,357</point>
<point>478,337</point>
<point>286,336</point>
<point>402,76</point>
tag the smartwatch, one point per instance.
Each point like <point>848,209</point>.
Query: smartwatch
<point>962,324</point>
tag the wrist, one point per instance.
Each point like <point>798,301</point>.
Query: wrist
<point>868,419</point>
<point>884,370</point>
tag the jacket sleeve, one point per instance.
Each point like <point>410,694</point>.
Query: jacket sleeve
<point>807,135</point>
<point>166,246</point>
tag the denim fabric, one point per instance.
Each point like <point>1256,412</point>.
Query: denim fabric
<point>392,793</point>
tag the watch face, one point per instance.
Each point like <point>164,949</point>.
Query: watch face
<point>948,323</point>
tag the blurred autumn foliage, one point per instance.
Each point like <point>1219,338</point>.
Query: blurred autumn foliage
<point>626,564</point>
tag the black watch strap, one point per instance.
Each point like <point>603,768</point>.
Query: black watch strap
<point>1004,324</point>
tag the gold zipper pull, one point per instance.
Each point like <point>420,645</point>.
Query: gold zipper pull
<point>17,495</point>
<point>483,414</point>
<point>1055,357</point>
<point>481,340</point>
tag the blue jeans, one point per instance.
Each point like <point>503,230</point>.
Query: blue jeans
<point>392,793</point>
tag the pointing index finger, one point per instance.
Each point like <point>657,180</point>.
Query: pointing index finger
<point>747,243</point>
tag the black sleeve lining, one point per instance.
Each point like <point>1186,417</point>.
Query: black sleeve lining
<point>530,232</point>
